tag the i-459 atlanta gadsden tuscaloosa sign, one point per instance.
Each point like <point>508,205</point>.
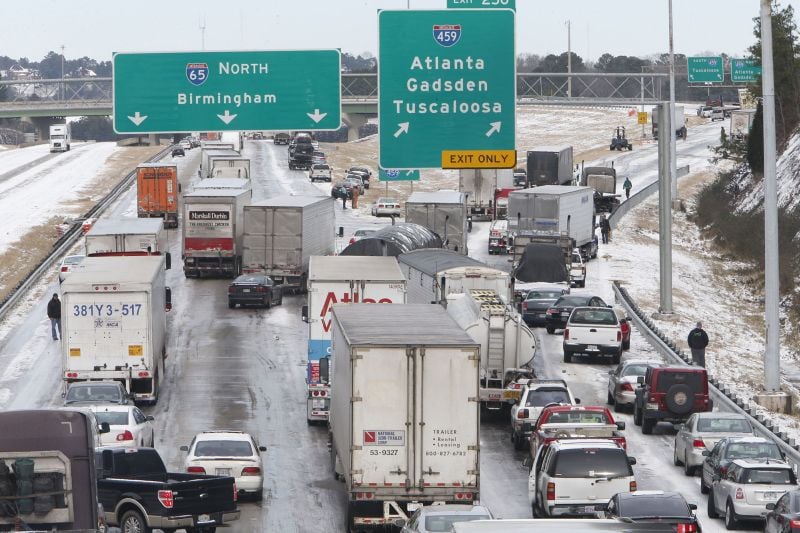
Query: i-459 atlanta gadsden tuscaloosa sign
<point>446,81</point>
<point>214,91</point>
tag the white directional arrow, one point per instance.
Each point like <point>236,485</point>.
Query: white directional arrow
<point>410,172</point>
<point>316,116</point>
<point>495,128</point>
<point>137,118</point>
<point>403,128</point>
<point>227,117</point>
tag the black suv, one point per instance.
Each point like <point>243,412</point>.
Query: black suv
<point>557,314</point>
<point>670,394</point>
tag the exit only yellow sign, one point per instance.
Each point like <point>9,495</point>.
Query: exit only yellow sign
<point>479,158</point>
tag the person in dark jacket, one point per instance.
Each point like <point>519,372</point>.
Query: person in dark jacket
<point>54,314</point>
<point>698,340</point>
<point>605,229</point>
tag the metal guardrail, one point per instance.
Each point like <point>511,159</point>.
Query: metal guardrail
<point>66,241</point>
<point>721,393</point>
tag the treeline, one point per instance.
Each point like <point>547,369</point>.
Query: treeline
<point>49,66</point>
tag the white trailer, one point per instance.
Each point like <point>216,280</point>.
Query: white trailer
<point>282,233</point>
<point>479,186</point>
<point>60,137</point>
<point>678,122</point>
<point>228,166</point>
<point>554,210</point>
<point>114,323</point>
<point>433,274</point>
<point>126,236</point>
<point>741,121</point>
<point>209,153</point>
<point>404,416</point>
<point>444,213</point>
<point>336,280</point>
<point>222,183</point>
<point>507,345</point>
<point>213,229</point>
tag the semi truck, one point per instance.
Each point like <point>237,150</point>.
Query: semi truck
<point>553,211</point>
<point>282,233</point>
<point>603,181</point>
<point>479,186</point>
<point>47,471</point>
<point>550,165</point>
<point>211,152</point>
<point>157,191</point>
<point>433,274</point>
<point>222,183</point>
<point>404,417</point>
<point>338,280</point>
<point>741,121</point>
<point>213,228</point>
<point>678,122</point>
<point>444,212</point>
<point>228,166</point>
<point>126,236</point>
<point>507,345</point>
<point>60,137</point>
<point>114,323</point>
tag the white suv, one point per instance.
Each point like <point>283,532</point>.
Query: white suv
<point>535,395</point>
<point>747,487</point>
<point>319,171</point>
<point>578,477</point>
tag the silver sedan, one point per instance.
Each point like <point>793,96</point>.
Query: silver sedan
<point>701,432</point>
<point>622,381</point>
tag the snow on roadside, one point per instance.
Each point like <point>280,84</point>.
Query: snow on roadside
<point>15,158</point>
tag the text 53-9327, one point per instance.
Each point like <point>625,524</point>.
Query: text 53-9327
<point>106,309</point>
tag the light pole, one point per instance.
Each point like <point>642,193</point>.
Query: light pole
<point>673,156</point>
<point>569,59</point>
<point>62,72</point>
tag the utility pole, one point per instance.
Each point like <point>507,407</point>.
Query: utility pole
<point>569,59</point>
<point>664,210</point>
<point>673,155</point>
<point>62,73</point>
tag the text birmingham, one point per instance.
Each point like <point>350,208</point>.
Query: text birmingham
<point>229,99</point>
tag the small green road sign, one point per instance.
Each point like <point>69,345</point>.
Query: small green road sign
<point>744,70</point>
<point>397,175</point>
<point>217,91</point>
<point>482,4</point>
<point>446,81</point>
<point>705,69</point>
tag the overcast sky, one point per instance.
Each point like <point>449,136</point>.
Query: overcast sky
<point>96,28</point>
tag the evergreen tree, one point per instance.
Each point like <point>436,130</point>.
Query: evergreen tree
<point>755,142</point>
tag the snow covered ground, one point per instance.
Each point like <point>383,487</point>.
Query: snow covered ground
<point>13,158</point>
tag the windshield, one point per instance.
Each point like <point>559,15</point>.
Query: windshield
<point>223,448</point>
<point>578,417</point>
<point>597,315</point>
<point>542,397</point>
<point>760,450</point>
<point>726,425</point>
<point>544,295</point>
<point>364,232</point>
<point>651,506</point>
<point>635,370</point>
<point>693,379</point>
<point>94,393</point>
<point>592,462</point>
<point>114,418</point>
<point>771,476</point>
<point>572,301</point>
<point>445,523</point>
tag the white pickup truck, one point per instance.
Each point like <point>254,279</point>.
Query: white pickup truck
<point>593,331</point>
<point>535,395</point>
<point>320,171</point>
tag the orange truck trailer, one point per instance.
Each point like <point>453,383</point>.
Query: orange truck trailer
<point>157,192</point>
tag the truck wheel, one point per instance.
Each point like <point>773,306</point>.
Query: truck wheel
<point>637,416</point>
<point>133,522</point>
<point>567,357</point>
<point>231,305</point>
<point>519,442</point>
<point>731,520</point>
<point>550,329</point>
<point>647,426</point>
<point>615,358</point>
<point>712,509</point>
<point>626,345</point>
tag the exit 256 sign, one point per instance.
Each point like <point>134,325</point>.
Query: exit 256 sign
<point>215,91</point>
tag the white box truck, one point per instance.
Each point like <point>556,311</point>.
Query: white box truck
<point>741,121</point>
<point>114,323</point>
<point>433,274</point>
<point>507,345</point>
<point>479,186</point>
<point>678,122</point>
<point>222,183</point>
<point>282,233</point>
<point>126,236</point>
<point>213,228</point>
<point>336,280</point>
<point>444,213</point>
<point>404,415</point>
<point>60,137</point>
<point>209,153</point>
<point>554,210</point>
<point>228,166</point>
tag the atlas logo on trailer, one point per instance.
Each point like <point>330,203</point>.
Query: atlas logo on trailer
<point>447,34</point>
<point>197,73</point>
<point>331,299</point>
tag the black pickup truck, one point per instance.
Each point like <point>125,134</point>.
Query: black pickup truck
<point>138,494</point>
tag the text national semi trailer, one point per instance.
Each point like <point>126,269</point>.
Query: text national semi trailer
<point>339,280</point>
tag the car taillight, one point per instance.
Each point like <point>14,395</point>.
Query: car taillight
<point>619,335</point>
<point>463,495</point>
<point>551,311</point>
<point>524,306</point>
<point>261,289</point>
<point>739,494</point>
<point>698,443</point>
<point>794,523</point>
<point>381,205</point>
<point>551,491</point>
<point>166,499</point>
<point>686,528</point>
<point>626,387</point>
<point>231,289</point>
<point>64,269</point>
<point>352,240</point>
<point>125,435</point>
<point>632,486</point>
<point>566,334</point>
<point>251,471</point>
<point>723,470</point>
<point>522,413</point>
<point>516,386</point>
<point>196,470</point>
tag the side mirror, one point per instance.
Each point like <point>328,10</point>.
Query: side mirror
<point>103,427</point>
<point>620,425</point>
<point>640,380</point>
<point>184,448</point>
<point>770,506</point>
<point>693,506</point>
<point>149,418</point>
<point>341,231</point>
<point>262,448</point>
<point>705,453</point>
<point>168,299</point>
<point>610,372</point>
<point>180,189</point>
<point>631,461</point>
<point>678,427</point>
<point>304,313</point>
<point>399,522</point>
<point>168,259</point>
<point>577,401</point>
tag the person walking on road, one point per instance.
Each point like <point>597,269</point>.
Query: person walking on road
<point>627,186</point>
<point>344,199</point>
<point>605,229</point>
<point>54,314</point>
<point>698,340</point>
<point>354,201</point>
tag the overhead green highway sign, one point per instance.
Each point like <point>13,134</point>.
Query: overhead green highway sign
<point>385,174</point>
<point>446,81</point>
<point>705,69</point>
<point>482,4</point>
<point>214,91</point>
<point>745,70</point>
